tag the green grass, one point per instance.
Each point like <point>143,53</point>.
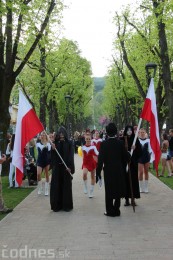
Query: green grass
<point>12,197</point>
<point>165,180</point>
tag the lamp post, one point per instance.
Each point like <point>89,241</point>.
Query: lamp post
<point>68,100</point>
<point>150,71</point>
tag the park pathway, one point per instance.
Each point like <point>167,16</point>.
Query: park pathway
<point>33,231</point>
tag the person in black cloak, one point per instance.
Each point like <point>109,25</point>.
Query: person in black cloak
<point>128,138</point>
<point>113,156</point>
<point>61,183</point>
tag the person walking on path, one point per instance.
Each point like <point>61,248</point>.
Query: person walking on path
<point>61,197</point>
<point>96,140</point>
<point>90,154</point>
<point>3,208</point>
<point>171,147</point>
<point>112,158</point>
<point>144,161</point>
<point>9,153</point>
<point>128,138</point>
<point>165,157</point>
<point>43,162</point>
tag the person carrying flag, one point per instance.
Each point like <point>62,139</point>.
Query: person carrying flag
<point>62,163</point>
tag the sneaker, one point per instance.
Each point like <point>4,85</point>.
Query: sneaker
<point>91,194</point>
<point>40,188</point>
<point>46,193</point>
<point>40,191</point>
<point>85,190</point>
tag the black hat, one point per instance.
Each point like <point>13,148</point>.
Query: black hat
<point>111,129</point>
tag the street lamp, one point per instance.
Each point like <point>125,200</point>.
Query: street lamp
<point>150,70</point>
<point>68,100</point>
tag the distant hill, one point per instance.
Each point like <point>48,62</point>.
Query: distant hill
<point>99,83</point>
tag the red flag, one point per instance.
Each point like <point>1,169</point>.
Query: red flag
<point>149,113</point>
<point>28,125</point>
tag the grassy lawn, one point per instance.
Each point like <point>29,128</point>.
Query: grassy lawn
<point>165,180</point>
<point>12,197</point>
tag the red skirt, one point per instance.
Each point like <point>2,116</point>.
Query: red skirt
<point>90,165</point>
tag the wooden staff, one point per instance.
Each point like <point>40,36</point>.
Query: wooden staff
<point>130,179</point>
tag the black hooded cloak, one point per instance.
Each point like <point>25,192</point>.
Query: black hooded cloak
<point>61,183</point>
<point>137,152</point>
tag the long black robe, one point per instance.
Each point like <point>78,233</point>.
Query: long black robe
<point>133,168</point>
<point>61,182</point>
<point>113,156</point>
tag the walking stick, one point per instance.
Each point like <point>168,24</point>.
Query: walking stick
<point>59,156</point>
<point>130,179</point>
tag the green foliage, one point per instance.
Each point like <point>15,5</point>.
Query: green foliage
<point>66,72</point>
<point>136,44</point>
<point>165,180</point>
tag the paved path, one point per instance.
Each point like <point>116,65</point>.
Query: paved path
<point>33,231</point>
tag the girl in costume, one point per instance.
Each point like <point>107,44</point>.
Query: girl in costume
<point>96,140</point>
<point>43,162</point>
<point>90,154</point>
<point>144,161</point>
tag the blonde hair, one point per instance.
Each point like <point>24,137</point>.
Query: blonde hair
<point>43,133</point>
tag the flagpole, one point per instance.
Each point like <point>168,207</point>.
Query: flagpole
<point>52,144</point>
<point>136,135</point>
<point>135,138</point>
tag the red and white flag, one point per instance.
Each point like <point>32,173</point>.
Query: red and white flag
<point>149,113</point>
<point>28,126</point>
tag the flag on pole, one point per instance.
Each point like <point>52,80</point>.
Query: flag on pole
<point>28,126</point>
<point>149,113</point>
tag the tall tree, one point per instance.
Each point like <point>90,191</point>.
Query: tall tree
<point>16,20</point>
<point>147,40</point>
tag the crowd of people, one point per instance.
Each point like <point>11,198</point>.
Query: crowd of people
<point>106,154</point>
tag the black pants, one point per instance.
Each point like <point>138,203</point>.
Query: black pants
<point>112,205</point>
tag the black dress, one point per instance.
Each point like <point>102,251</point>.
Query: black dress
<point>61,183</point>
<point>133,168</point>
<point>44,154</point>
<point>113,156</point>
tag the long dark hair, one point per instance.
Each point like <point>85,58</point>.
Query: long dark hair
<point>63,131</point>
<point>129,138</point>
<point>12,142</point>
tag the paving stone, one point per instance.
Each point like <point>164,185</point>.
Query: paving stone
<point>85,233</point>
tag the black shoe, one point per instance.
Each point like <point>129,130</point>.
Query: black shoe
<point>127,203</point>
<point>109,215</point>
<point>116,214</point>
<point>56,210</point>
<point>67,210</point>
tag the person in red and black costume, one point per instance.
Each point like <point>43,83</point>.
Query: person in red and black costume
<point>90,154</point>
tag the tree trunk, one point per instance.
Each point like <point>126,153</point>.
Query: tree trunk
<point>165,61</point>
<point>53,117</point>
<point>8,82</point>
<point>43,96</point>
